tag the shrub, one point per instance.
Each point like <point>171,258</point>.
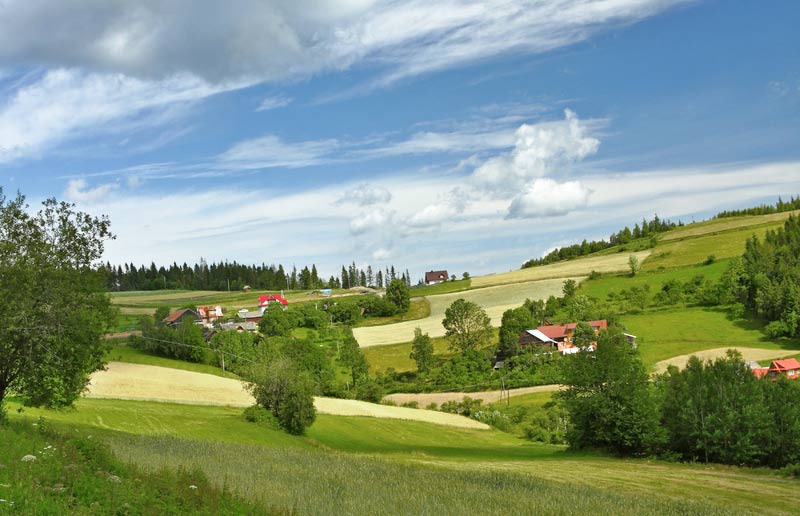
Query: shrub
<point>410,404</point>
<point>710,259</point>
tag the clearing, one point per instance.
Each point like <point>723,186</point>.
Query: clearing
<point>495,300</point>
<point>152,383</point>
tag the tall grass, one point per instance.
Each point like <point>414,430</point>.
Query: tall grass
<point>322,483</point>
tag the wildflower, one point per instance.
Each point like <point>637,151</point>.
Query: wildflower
<point>192,486</point>
<point>114,479</point>
<point>29,458</point>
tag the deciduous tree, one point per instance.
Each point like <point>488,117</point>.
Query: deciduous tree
<point>467,325</point>
<point>422,351</point>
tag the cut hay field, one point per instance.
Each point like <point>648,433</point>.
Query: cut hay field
<point>151,383</point>
<point>568,269</point>
<point>139,301</point>
<point>425,399</point>
<point>726,224</point>
<point>495,300</point>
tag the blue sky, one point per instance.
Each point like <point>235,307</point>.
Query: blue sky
<point>462,135</point>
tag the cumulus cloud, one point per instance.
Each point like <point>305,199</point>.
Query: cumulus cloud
<point>366,194</point>
<point>376,218</point>
<point>547,198</point>
<point>78,191</point>
<point>540,150</point>
<point>450,205</point>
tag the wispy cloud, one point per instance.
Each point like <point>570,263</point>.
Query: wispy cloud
<point>271,151</point>
<point>275,102</point>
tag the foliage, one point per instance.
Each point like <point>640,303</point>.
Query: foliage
<point>466,324</point>
<point>276,321</point>
<point>397,294</point>
<point>287,393</point>
<point>610,401</point>
<point>54,306</point>
<point>184,342</point>
<point>764,209</point>
<point>514,322</point>
<point>634,265</point>
<point>422,351</point>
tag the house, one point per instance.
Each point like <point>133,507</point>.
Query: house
<point>247,288</point>
<point>177,317</point>
<point>790,368</point>
<point>248,316</point>
<point>209,314</point>
<point>559,336</point>
<point>434,277</point>
<point>240,326</point>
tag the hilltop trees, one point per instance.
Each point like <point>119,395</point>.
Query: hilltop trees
<point>54,306</point>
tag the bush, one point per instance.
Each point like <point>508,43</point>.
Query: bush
<point>710,259</point>
<point>792,470</point>
<point>410,404</point>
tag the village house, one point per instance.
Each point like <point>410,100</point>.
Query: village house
<point>240,326</point>
<point>265,301</point>
<point>560,336</point>
<point>209,314</point>
<point>250,316</point>
<point>177,317</point>
<point>434,277</point>
<point>789,368</point>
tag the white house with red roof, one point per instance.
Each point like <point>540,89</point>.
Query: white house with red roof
<point>265,301</point>
<point>209,314</point>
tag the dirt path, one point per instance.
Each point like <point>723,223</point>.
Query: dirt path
<point>425,399</point>
<point>747,353</point>
<point>152,383</point>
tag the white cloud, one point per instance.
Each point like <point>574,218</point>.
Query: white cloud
<point>274,40</point>
<point>442,142</point>
<point>381,254</point>
<point>65,104</point>
<point>270,151</point>
<point>547,198</point>
<point>450,205</point>
<point>540,150</point>
<point>376,218</point>
<point>274,103</point>
<point>78,191</point>
<point>366,194</point>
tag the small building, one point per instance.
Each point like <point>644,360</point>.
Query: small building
<point>240,326</point>
<point>325,292</point>
<point>177,317</point>
<point>250,316</point>
<point>247,288</point>
<point>264,301</point>
<point>435,277</point>
<point>209,314</point>
<point>560,336</point>
<point>790,368</point>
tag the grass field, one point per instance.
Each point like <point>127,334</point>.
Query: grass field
<point>617,262</point>
<point>419,308</point>
<point>726,224</point>
<point>441,288</point>
<point>390,466</point>
<point>123,353</point>
<point>495,300</point>
<point>669,333</point>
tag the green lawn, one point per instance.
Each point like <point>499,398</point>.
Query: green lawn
<point>441,288</point>
<point>123,353</point>
<point>665,334</point>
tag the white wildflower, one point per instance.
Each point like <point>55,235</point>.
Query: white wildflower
<point>29,458</point>
<point>192,486</point>
<point>114,478</point>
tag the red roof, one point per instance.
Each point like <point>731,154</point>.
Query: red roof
<point>785,365</point>
<point>559,331</point>
<point>265,300</point>
<point>761,372</point>
<point>176,316</point>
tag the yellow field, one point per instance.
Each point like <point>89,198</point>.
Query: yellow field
<point>725,224</point>
<point>495,300</point>
<point>579,267</point>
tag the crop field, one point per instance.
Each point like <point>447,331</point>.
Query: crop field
<point>726,224</point>
<point>617,262</point>
<point>151,300</point>
<point>495,300</point>
<point>124,353</point>
<point>425,399</point>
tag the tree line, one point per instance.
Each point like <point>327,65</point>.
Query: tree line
<point>648,229</point>
<point>226,275</point>
<point>764,209</point>
<point>713,411</point>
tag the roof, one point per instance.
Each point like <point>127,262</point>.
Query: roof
<point>178,315</point>
<point>247,326</point>
<point>559,331</point>
<point>539,335</point>
<point>265,300</point>
<point>206,312</point>
<point>785,365</point>
<point>760,372</point>
<point>435,276</point>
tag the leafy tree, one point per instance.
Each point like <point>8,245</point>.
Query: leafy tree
<point>397,293</point>
<point>288,394</point>
<point>569,288</point>
<point>466,324</point>
<point>610,401</point>
<point>54,306</point>
<point>465,275</point>
<point>351,356</point>
<point>634,265</point>
<point>161,313</point>
<point>580,308</point>
<point>514,322</point>
<point>235,349</point>
<point>584,335</point>
<point>276,321</point>
<point>422,351</point>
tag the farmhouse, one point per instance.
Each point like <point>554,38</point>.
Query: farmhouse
<point>250,316</point>
<point>790,368</point>
<point>209,314</point>
<point>240,326</point>
<point>434,277</point>
<point>175,318</point>
<point>560,336</point>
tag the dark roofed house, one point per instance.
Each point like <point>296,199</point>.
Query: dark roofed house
<point>434,277</point>
<point>177,317</point>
